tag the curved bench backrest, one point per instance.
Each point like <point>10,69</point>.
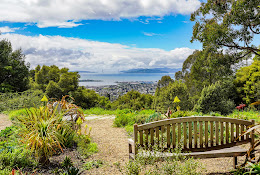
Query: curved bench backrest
<point>196,133</point>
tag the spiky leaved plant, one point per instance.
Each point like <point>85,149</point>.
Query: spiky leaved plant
<point>39,131</point>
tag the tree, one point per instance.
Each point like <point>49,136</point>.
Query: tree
<point>164,98</point>
<point>53,90</point>
<point>85,98</point>
<point>14,71</point>
<point>248,82</point>
<point>215,98</point>
<point>165,80</point>
<point>204,68</point>
<point>228,23</point>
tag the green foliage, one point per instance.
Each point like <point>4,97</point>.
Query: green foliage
<point>164,81</point>
<point>182,114</point>
<point>248,82</point>
<point>215,98</point>
<point>85,98</point>
<point>164,97</point>
<point>133,100</point>
<point>204,68</point>
<point>53,90</point>
<point>93,164</point>
<point>14,71</point>
<point>13,101</point>
<point>84,146</point>
<point>56,82</point>
<point>39,131</point>
<point>17,158</point>
<point>231,24</point>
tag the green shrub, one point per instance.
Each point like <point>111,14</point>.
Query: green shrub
<point>215,98</point>
<point>17,158</point>
<point>93,164</point>
<point>12,101</point>
<point>84,146</point>
<point>182,114</point>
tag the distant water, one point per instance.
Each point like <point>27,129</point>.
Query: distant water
<point>111,79</point>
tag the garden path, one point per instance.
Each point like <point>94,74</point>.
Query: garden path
<point>4,121</point>
<point>112,144</point>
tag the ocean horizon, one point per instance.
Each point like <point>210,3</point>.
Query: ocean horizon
<point>102,79</point>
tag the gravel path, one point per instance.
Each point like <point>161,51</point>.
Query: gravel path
<point>4,121</point>
<point>112,144</point>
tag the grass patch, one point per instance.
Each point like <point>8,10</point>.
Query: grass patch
<point>93,164</point>
<point>101,111</point>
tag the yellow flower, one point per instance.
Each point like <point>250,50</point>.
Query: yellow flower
<point>44,99</point>
<point>176,100</point>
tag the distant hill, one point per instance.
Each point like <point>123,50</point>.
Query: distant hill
<point>154,70</point>
<point>83,71</point>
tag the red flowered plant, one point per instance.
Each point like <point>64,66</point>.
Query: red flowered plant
<point>241,106</point>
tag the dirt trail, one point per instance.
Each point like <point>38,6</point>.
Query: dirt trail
<point>4,121</point>
<point>112,144</point>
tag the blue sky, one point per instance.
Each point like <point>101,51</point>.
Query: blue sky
<point>94,35</point>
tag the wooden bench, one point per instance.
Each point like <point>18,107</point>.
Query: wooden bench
<point>200,136</point>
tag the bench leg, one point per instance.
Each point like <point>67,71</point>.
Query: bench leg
<point>234,162</point>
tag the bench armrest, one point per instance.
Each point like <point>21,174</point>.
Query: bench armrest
<point>131,142</point>
<point>131,145</point>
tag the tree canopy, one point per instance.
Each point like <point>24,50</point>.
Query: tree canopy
<point>228,23</point>
<point>14,71</point>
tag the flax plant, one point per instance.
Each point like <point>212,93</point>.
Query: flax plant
<point>39,130</point>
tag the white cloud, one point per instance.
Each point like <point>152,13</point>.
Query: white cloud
<point>151,34</point>
<point>80,54</point>
<point>7,29</point>
<point>65,13</point>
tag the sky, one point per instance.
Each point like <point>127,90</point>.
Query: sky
<point>100,35</point>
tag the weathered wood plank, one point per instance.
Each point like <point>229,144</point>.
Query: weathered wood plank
<point>184,135</point>
<point>206,134</point>
<point>237,132</point>
<point>217,132</point>
<point>211,133</point>
<point>242,132</point>
<point>227,132</point>
<point>146,137</point>
<point>192,119</point>
<point>201,134</point>
<point>173,136</point>
<point>162,136</point>
<point>157,135</point>
<point>141,138</point>
<point>179,133</point>
<point>152,136</point>
<point>195,134</point>
<point>190,135</point>
<point>168,136</point>
<point>232,132</point>
<point>221,133</point>
<point>135,138</point>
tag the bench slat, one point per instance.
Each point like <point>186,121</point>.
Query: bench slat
<point>211,133</point>
<point>227,132</point>
<point>206,134</point>
<point>162,136</point>
<point>195,134</point>
<point>190,135</point>
<point>152,136</point>
<point>232,132</point>
<point>221,133</point>
<point>146,137</point>
<point>217,133</point>
<point>242,132</point>
<point>201,134</point>
<point>168,136</point>
<point>179,133</point>
<point>157,135</point>
<point>141,138</point>
<point>173,136</point>
<point>237,132</point>
<point>185,135</point>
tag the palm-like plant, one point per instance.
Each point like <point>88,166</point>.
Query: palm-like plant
<point>39,131</point>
